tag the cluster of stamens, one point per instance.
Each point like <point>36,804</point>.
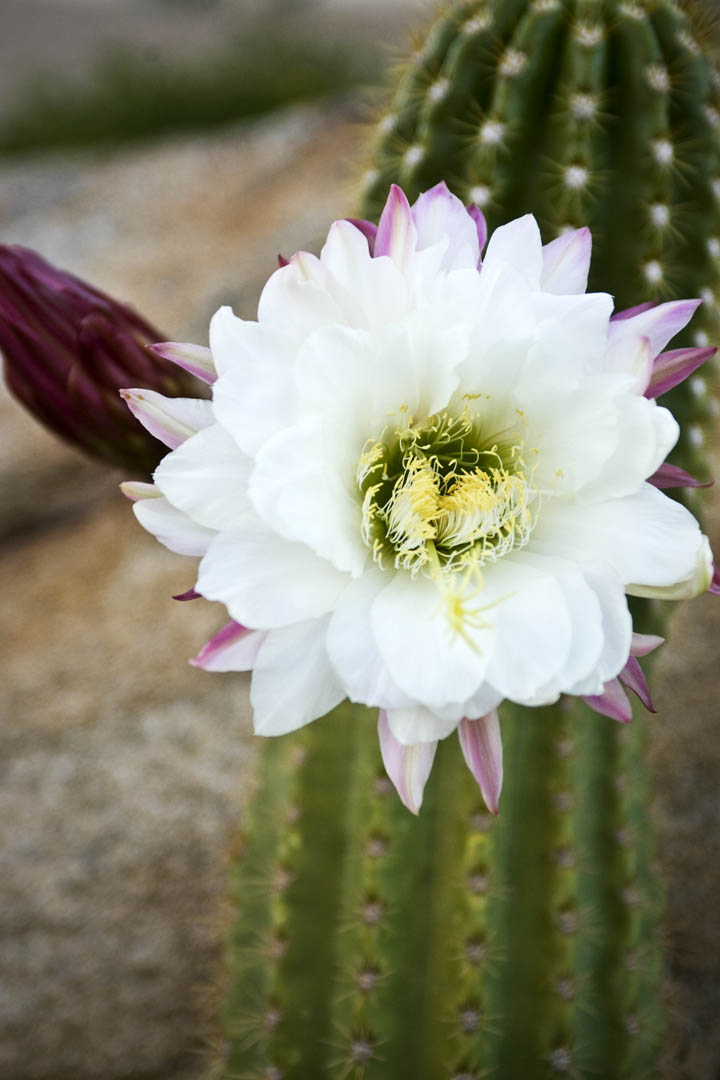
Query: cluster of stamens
<point>444,494</point>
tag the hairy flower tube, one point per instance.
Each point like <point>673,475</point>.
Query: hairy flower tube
<point>428,480</point>
<point>68,348</point>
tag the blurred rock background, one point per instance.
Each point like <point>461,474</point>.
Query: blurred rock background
<point>124,772</point>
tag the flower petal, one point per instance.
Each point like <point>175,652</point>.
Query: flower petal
<point>632,676</point>
<point>172,527</point>
<point>480,225</point>
<point>197,359</point>
<point>613,702</point>
<point>644,644</point>
<point>138,489</point>
<point>533,628</point>
<point>667,546</point>
<point>699,580</point>
<point>234,648</point>
<point>672,368</point>
<point>658,324</point>
<point>437,215</point>
<point>293,681</point>
<point>254,396</point>
<point>672,476</point>
<point>368,229</point>
<point>427,661</point>
<point>566,263</point>
<point>407,766</point>
<point>396,235</point>
<point>296,300</point>
<point>265,581</point>
<point>482,749</point>
<point>298,490</point>
<point>171,420</point>
<point>714,586</point>
<point>353,650</point>
<point>207,477</point>
<point>518,245</point>
<point>415,723</point>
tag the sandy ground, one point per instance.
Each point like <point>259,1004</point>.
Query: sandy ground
<point>124,771</point>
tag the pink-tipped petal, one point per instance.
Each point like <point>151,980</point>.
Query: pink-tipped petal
<point>482,749</point>
<point>644,644</point>
<point>197,359</point>
<point>672,476</point>
<point>282,261</point>
<point>673,367</point>
<point>658,324</point>
<point>134,490</point>
<point>437,215</point>
<point>613,702</point>
<point>396,235</point>
<point>369,230</point>
<point>630,313</point>
<point>234,648</point>
<point>715,583</point>
<point>407,766</point>
<point>566,263</point>
<point>191,594</point>
<point>171,420</point>
<point>631,356</point>
<point>480,224</point>
<point>632,676</point>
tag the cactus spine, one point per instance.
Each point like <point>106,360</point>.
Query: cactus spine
<point>375,946</point>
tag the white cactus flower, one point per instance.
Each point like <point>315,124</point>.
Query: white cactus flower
<point>427,481</point>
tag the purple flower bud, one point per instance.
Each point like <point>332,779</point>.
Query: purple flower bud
<point>68,348</point>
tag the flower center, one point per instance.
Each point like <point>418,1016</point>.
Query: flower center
<point>444,494</point>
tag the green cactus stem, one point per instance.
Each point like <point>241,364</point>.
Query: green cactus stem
<point>373,945</point>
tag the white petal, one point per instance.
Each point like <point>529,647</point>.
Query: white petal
<point>207,477</point>
<point>171,420</point>
<point>631,356</point>
<point>172,527</point>
<point>646,435</point>
<point>297,299</point>
<point>293,682</point>
<point>586,618</point>
<point>532,626</point>
<point>566,263</point>
<point>265,581</point>
<point>647,538</point>
<point>297,488</point>
<point>438,215</point>
<point>353,650</point>
<point>517,244</point>
<point>426,660</point>
<point>485,700</point>
<point>371,292</point>
<point>417,724</point>
<point>138,489</point>
<point>255,394</point>
<point>407,766</point>
<point>696,583</point>
<point>234,648</point>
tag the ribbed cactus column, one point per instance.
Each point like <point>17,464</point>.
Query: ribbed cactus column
<point>371,944</point>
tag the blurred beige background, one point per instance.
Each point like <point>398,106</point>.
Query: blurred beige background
<point>124,771</point>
